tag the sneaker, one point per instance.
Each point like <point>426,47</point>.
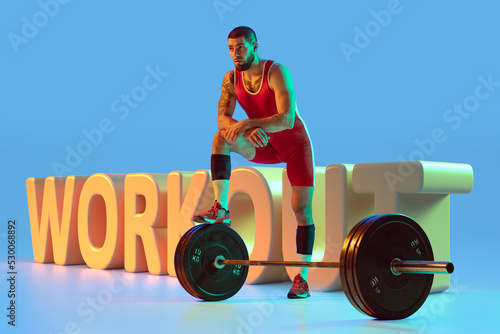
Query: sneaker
<point>300,288</point>
<point>216,215</point>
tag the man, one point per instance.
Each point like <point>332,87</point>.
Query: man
<point>273,133</point>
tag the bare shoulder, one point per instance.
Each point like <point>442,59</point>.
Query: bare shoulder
<point>228,82</point>
<point>279,68</point>
<point>279,76</point>
<point>229,76</point>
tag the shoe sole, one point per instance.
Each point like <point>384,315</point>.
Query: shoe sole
<point>299,296</point>
<point>202,220</point>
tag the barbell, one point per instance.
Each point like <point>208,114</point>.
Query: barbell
<point>386,265</point>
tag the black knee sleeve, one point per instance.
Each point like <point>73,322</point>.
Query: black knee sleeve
<point>305,239</point>
<point>221,166</point>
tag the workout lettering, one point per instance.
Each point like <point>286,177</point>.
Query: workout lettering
<point>135,221</point>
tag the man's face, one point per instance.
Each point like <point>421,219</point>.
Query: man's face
<point>242,52</point>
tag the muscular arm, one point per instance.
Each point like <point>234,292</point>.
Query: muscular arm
<point>227,102</point>
<point>227,123</point>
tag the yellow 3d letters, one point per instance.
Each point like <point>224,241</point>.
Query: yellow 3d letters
<point>135,221</point>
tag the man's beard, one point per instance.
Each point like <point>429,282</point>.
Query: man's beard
<point>246,65</point>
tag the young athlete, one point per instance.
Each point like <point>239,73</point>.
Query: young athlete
<point>274,132</point>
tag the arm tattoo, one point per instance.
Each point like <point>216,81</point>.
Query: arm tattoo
<point>227,92</point>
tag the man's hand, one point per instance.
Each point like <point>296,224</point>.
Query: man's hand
<point>257,137</point>
<point>236,130</point>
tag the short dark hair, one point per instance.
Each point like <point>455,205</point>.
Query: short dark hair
<point>243,31</point>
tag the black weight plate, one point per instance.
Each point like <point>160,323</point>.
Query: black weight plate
<point>179,263</point>
<point>356,297</point>
<point>380,293</point>
<point>196,284</point>
<point>347,261</point>
<point>194,262</point>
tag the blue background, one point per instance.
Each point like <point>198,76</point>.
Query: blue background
<point>369,107</point>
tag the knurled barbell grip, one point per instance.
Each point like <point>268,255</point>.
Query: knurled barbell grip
<point>397,266</point>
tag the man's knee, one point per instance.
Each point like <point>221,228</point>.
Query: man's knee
<point>220,142</point>
<point>303,215</point>
<point>219,138</point>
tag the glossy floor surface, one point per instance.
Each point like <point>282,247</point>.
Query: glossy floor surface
<point>76,299</point>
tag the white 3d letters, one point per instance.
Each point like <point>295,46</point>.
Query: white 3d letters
<point>187,194</point>
<point>263,186</point>
<point>100,221</point>
<point>53,202</point>
<point>146,223</point>
<point>135,221</point>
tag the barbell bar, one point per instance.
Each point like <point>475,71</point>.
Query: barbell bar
<point>378,260</point>
<point>397,266</point>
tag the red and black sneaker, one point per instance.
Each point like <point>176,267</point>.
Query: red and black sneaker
<point>216,215</point>
<point>300,288</point>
